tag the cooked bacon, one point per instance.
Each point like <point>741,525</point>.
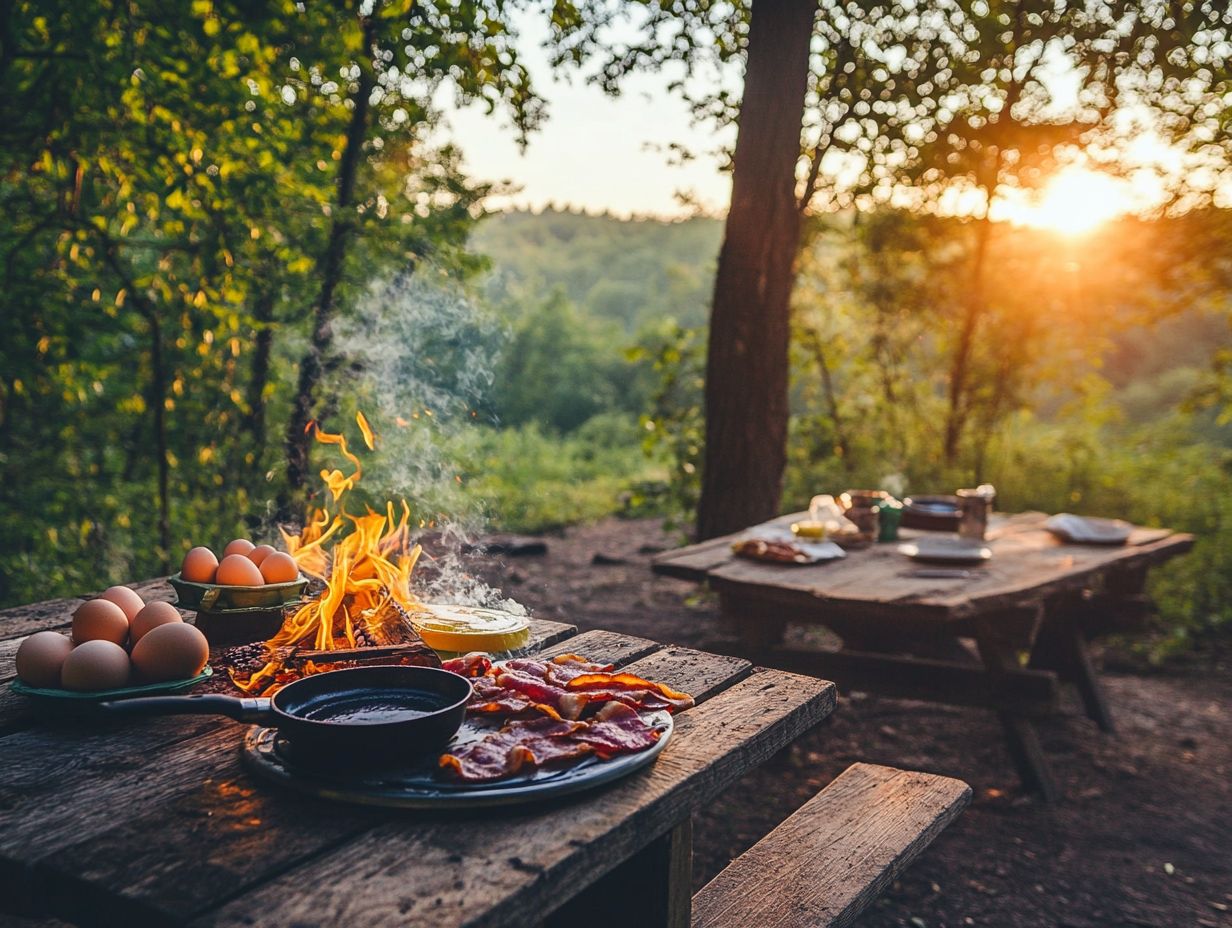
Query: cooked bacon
<point>490,698</point>
<point>569,667</point>
<point>618,729</point>
<point>472,665</point>
<point>631,690</point>
<point>516,746</point>
<point>540,691</point>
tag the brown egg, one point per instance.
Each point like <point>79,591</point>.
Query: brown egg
<point>237,570</point>
<point>199,566</point>
<point>100,620</point>
<point>174,651</point>
<point>125,598</point>
<point>40,657</point>
<point>279,568</point>
<point>150,617</point>
<point>239,546</point>
<point>95,665</point>
<point>260,553</point>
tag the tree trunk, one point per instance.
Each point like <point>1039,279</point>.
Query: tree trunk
<point>158,399</point>
<point>747,359</point>
<point>960,364</point>
<point>254,420</point>
<point>311,366</point>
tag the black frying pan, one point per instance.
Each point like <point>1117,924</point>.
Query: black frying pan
<point>342,716</point>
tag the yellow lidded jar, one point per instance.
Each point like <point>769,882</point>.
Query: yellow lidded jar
<point>452,630</point>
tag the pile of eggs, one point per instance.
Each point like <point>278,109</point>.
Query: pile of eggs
<point>242,564</point>
<point>117,640</point>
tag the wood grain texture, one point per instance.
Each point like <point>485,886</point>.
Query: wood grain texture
<point>601,646</point>
<point>822,866</point>
<point>515,869</point>
<point>545,634</point>
<point>1028,564</point>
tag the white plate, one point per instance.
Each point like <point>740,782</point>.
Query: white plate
<point>1087,530</point>
<point>947,551</point>
<point>815,551</point>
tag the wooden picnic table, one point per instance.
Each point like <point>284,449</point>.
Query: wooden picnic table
<point>157,823</point>
<point>903,627</point>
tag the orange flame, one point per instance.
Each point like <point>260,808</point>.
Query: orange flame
<point>364,570</point>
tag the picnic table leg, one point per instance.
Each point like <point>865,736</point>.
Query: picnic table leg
<point>1061,646</point>
<point>653,888</point>
<point>1020,734</point>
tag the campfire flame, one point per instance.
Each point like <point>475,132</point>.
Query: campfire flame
<point>366,570</point>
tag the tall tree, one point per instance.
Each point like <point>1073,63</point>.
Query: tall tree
<point>746,369</point>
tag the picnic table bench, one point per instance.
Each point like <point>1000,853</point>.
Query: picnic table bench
<point>902,627</point>
<point>157,823</point>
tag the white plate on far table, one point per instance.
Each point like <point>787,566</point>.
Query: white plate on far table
<point>946,551</point>
<point>1087,530</point>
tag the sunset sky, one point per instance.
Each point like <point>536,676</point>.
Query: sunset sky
<point>603,153</point>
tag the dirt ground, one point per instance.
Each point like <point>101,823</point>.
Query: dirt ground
<point>1143,836</point>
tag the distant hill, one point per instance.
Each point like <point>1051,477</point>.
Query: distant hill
<point>624,271</point>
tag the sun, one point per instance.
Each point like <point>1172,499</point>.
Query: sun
<point>1074,202</point>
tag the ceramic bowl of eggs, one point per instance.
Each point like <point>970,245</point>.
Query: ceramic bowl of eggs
<point>247,576</point>
<point>118,644</point>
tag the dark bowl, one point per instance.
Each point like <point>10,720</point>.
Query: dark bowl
<point>217,597</point>
<point>932,513</point>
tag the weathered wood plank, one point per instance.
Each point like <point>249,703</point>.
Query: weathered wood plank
<point>602,646</point>
<point>515,869</point>
<point>698,673</point>
<point>544,634</point>
<point>837,853</point>
<point>207,832</point>
<point>92,777</point>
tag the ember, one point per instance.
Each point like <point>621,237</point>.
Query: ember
<point>364,563</point>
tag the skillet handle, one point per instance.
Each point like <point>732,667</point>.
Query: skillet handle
<point>248,709</point>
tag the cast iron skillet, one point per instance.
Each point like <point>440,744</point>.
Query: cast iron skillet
<point>358,715</point>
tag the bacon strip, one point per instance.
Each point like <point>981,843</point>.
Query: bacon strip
<point>611,685</point>
<point>519,746</point>
<point>471,666</point>
<point>516,746</point>
<point>542,704</point>
<point>618,729</point>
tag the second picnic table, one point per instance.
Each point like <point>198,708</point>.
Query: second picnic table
<point>901,627</point>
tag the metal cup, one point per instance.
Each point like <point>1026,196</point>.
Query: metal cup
<point>974,508</point>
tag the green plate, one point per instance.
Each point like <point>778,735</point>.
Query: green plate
<point>149,689</point>
<point>214,596</point>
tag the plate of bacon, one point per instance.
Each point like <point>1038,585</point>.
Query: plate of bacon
<point>534,730</point>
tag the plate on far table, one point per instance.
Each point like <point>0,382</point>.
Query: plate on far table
<point>777,545</point>
<point>1087,530</point>
<point>947,551</point>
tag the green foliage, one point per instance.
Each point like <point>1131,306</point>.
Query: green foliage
<point>627,272</point>
<point>534,482</point>
<point>674,427</point>
<point>170,178</point>
<point>559,368</point>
